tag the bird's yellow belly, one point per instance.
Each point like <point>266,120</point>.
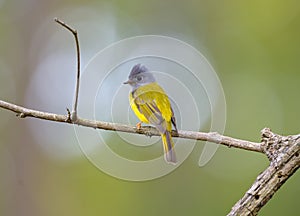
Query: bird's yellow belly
<point>137,112</point>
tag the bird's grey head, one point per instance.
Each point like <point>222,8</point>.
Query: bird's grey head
<point>139,75</point>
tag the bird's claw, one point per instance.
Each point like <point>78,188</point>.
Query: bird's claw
<point>139,125</point>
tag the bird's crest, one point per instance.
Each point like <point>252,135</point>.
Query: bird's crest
<point>138,68</point>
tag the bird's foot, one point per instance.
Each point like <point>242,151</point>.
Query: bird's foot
<point>148,134</point>
<point>139,125</point>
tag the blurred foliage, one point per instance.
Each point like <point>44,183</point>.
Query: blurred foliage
<point>253,45</point>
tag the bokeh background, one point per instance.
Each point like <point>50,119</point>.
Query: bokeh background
<point>254,47</point>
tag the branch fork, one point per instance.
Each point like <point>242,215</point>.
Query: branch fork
<point>283,153</point>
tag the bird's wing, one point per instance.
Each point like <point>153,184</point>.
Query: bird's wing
<point>173,120</point>
<point>154,104</point>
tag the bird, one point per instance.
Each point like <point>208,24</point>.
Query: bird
<point>152,106</point>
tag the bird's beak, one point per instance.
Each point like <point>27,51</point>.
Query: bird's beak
<point>128,82</point>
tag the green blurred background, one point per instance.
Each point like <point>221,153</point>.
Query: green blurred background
<point>254,47</point>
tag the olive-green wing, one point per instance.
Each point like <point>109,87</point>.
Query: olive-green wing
<point>154,104</point>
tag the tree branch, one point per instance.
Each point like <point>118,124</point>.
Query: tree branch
<point>148,130</point>
<point>73,114</point>
<point>283,153</point>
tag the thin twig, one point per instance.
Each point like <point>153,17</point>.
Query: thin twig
<point>211,136</point>
<point>74,115</point>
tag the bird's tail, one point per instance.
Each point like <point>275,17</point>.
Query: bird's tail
<point>168,144</point>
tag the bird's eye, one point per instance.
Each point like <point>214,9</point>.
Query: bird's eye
<point>139,78</point>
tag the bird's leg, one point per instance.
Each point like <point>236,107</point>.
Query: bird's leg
<point>139,125</point>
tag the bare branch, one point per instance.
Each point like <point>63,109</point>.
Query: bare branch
<point>211,136</point>
<point>74,32</point>
<point>285,160</point>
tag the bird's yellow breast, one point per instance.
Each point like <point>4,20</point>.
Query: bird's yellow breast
<point>150,100</point>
